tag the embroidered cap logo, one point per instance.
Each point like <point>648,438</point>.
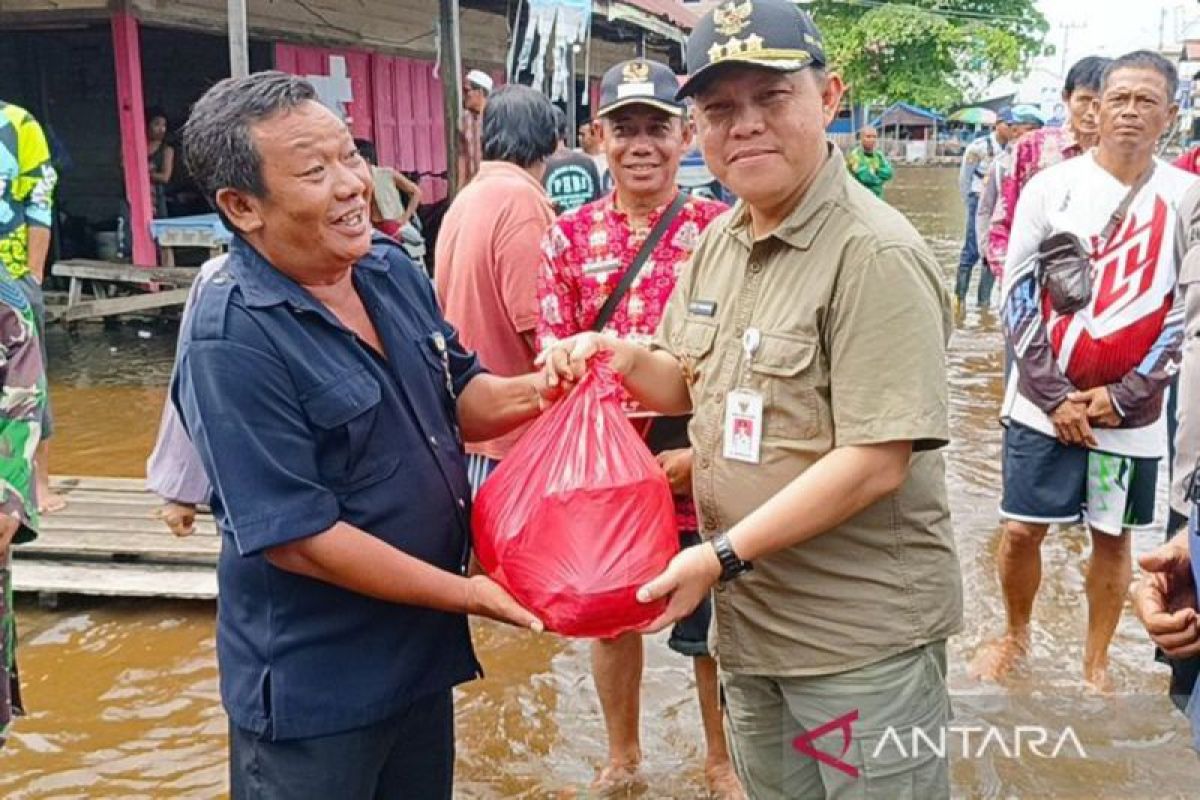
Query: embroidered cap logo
<point>732,17</point>
<point>636,72</point>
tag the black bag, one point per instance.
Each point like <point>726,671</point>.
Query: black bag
<point>1066,265</point>
<point>666,433</point>
<point>1066,273</point>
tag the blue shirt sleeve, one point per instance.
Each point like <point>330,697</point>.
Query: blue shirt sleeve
<point>253,438</point>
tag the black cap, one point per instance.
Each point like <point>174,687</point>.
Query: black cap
<point>639,81</point>
<point>774,34</point>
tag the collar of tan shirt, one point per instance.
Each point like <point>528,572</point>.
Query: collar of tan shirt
<point>801,226</point>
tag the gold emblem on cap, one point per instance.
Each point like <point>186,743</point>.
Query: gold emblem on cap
<point>636,72</point>
<point>731,18</point>
<point>735,46</point>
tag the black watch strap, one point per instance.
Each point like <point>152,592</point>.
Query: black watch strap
<point>731,566</point>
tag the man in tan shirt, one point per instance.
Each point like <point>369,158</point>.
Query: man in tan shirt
<point>808,339</point>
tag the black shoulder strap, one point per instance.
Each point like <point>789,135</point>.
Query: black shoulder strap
<point>652,240</point>
<point>1118,216</point>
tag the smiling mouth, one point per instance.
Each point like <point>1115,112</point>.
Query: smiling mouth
<point>351,219</point>
<point>642,168</point>
<point>747,154</point>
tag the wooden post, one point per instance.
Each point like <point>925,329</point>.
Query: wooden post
<point>131,104</point>
<point>239,43</point>
<point>450,69</point>
<point>572,98</point>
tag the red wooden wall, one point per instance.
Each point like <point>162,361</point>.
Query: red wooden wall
<point>397,105</point>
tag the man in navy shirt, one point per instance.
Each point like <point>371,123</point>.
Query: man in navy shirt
<point>328,399</point>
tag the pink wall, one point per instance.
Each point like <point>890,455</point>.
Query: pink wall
<point>397,104</point>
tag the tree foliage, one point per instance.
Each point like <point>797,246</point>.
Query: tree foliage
<point>928,52</point>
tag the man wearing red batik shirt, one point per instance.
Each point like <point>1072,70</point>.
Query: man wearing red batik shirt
<point>586,254</point>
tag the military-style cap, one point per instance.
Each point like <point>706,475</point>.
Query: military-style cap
<point>774,34</point>
<point>639,81</point>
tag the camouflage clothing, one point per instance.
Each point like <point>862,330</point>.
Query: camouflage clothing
<point>22,381</point>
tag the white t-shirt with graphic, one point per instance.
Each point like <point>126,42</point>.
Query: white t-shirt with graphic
<point>1133,284</point>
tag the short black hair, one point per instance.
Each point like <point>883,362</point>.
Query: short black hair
<point>219,148</point>
<point>1146,59</point>
<point>1086,73</point>
<point>366,148</point>
<point>519,126</point>
<point>560,123</point>
<point>154,112</point>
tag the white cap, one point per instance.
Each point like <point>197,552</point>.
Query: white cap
<point>481,79</point>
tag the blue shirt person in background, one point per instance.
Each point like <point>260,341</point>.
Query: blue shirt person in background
<point>327,398</point>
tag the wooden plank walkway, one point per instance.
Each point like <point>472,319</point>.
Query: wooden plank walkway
<point>106,278</point>
<point>107,541</point>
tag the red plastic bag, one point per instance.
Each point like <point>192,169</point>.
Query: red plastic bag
<point>578,516</point>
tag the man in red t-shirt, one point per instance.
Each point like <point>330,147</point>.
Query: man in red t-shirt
<point>585,255</point>
<point>487,249</point>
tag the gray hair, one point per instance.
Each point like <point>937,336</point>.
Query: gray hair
<point>519,126</point>
<point>217,143</point>
<point>1145,59</point>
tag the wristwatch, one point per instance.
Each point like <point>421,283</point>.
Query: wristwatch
<point>731,566</point>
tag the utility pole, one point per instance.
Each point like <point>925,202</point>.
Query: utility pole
<point>239,43</point>
<point>572,96</point>
<point>450,70</point>
<point>1067,27</point>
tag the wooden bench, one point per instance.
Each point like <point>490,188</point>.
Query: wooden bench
<point>119,288</point>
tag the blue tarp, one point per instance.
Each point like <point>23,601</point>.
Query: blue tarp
<point>908,114</point>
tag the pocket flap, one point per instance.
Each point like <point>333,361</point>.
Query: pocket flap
<point>783,355</point>
<point>698,337</point>
<point>342,398</point>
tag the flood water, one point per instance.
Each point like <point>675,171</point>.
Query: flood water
<point>123,694</point>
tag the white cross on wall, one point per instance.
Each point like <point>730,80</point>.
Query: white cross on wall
<point>334,90</point>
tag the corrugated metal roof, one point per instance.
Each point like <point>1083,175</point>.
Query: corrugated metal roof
<point>672,11</point>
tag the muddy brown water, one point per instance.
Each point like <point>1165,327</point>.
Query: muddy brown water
<point>123,694</point>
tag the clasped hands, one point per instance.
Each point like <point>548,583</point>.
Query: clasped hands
<point>1080,412</point>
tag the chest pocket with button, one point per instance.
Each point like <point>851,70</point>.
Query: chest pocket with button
<point>439,366</point>
<point>344,411</point>
<point>788,373</point>
<point>695,346</point>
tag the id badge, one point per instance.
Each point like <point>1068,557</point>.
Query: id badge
<point>743,426</point>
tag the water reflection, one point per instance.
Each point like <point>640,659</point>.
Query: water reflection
<point>124,694</point>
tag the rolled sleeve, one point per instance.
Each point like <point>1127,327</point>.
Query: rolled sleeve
<point>255,443</point>
<point>888,352</point>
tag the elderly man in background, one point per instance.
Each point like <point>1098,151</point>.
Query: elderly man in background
<point>477,87</point>
<point>325,394</point>
<point>597,274</point>
<point>867,163</point>
<point>808,338</point>
<point>1083,407</point>
<point>488,248</point>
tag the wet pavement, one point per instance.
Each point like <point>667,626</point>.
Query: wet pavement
<point>123,694</point>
